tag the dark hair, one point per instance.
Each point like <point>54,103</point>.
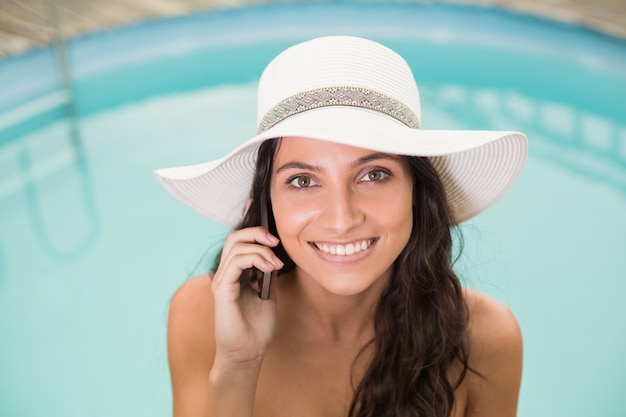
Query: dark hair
<point>421,319</point>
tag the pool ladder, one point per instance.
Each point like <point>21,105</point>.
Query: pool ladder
<point>64,99</point>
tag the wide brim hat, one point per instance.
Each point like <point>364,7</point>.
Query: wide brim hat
<point>355,92</point>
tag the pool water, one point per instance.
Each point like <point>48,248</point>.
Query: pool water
<point>91,248</point>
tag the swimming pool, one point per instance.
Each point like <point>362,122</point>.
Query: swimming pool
<point>91,248</point>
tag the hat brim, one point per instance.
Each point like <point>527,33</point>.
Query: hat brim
<point>476,167</point>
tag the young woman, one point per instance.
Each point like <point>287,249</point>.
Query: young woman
<point>343,195</point>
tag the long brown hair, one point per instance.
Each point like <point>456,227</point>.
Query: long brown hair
<point>421,319</point>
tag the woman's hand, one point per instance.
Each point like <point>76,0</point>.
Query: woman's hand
<point>219,330</point>
<point>244,324</point>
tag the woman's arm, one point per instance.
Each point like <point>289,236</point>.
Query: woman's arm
<point>199,388</point>
<point>218,331</point>
<point>191,346</point>
<point>496,353</point>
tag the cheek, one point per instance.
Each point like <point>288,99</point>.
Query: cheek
<point>291,217</point>
<point>397,214</point>
<point>291,220</point>
<point>403,227</point>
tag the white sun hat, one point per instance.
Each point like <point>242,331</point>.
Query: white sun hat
<point>355,92</point>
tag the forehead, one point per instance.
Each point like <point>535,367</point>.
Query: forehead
<point>323,152</point>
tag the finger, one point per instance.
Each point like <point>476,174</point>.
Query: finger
<point>256,234</point>
<point>243,248</point>
<point>230,271</point>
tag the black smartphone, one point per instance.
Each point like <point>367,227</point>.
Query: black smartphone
<point>266,278</point>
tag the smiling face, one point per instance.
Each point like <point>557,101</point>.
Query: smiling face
<point>343,214</point>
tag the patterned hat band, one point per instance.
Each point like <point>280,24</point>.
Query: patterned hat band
<point>339,96</point>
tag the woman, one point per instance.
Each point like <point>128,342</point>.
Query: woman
<point>366,317</point>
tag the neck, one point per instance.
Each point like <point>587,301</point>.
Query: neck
<point>331,317</point>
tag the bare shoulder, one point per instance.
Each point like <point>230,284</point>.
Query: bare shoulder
<point>492,325</point>
<point>495,341</point>
<point>191,316</point>
<point>193,296</point>
<point>191,343</point>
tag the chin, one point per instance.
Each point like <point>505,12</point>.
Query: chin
<point>349,284</point>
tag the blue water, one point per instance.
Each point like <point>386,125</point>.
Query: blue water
<point>91,248</point>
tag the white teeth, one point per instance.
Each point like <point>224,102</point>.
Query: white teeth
<point>344,250</point>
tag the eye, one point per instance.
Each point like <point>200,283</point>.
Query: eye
<point>375,175</point>
<point>302,181</point>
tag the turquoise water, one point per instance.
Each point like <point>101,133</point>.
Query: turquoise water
<point>91,248</point>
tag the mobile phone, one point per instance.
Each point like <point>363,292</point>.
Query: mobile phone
<point>266,278</point>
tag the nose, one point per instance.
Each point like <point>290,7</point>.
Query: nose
<point>341,210</point>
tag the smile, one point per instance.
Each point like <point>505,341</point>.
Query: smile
<point>344,250</point>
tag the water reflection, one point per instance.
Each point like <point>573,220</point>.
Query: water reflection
<point>49,169</point>
<point>59,196</point>
<point>52,171</point>
<point>587,143</point>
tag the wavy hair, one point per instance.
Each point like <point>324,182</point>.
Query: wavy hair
<point>421,319</point>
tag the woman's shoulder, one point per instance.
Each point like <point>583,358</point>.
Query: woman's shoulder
<point>191,344</point>
<point>495,346</point>
<point>491,319</point>
<point>192,303</point>
<point>194,293</point>
<point>190,321</point>
<point>193,300</point>
<point>494,332</point>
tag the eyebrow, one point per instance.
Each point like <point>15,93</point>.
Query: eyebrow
<point>361,161</point>
<point>376,156</point>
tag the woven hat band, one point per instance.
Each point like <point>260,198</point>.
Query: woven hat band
<point>339,96</point>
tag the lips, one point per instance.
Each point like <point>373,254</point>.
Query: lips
<point>344,249</point>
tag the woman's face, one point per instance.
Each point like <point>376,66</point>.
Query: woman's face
<point>343,214</point>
